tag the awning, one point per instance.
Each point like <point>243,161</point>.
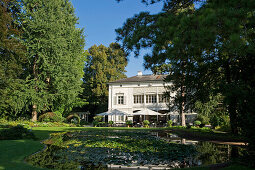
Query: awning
<point>113,112</point>
<point>146,112</point>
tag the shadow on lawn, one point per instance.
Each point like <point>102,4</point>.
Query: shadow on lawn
<point>13,153</point>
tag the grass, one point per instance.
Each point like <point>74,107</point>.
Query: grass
<point>13,152</point>
<point>206,134</point>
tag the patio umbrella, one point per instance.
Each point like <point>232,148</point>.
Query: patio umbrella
<point>103,114</point>
<point>148,112</point>
<point>117,112</point>
<point>114,112</point>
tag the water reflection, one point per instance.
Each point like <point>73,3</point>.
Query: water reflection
<point>209,152</point>
<point>110,149</point>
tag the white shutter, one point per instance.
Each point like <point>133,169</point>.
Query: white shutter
<point>125,100</point>
<point>114,100</point>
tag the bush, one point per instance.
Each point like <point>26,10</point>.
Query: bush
<point>73,118</point>
<point>169,123</point>
<point>98,118</point>
<point>146,123</point>
<point>95,123</point>
<point>129,122</point>
<point>51,117</point>
<point>16,132</point>
<point>221,121</point>
<point>203,119</point>
<point>197,123</point>
<point>110,122</point>
<point>83,122</point>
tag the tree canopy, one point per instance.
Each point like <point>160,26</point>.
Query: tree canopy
<point>206,46</point>
<point>42,56</point>
<point>55,54</point>
<point>12,57</point>
<point>104,64</point>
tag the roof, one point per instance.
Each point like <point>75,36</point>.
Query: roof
<point>142,78</point>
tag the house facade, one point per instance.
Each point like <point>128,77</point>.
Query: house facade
<point>137,93</point>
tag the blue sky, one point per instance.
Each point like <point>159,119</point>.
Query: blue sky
<point>100,18</point>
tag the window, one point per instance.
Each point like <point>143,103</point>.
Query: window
<point>151,98</point>
<point>163,99</point>
<point>120,99</point>
<point>138,99</point>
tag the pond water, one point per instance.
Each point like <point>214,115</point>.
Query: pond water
<point>114,149</point>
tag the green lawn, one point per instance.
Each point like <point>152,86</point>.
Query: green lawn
<point>13,152</point>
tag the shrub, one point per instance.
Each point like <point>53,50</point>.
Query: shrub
<point>169,123</point>
<point>146,123</point>
<point>221,121</point>
<point>110,122</point>
<point>16,132</point>
<point>98,118</point>
<point>50,117</point>
<point>95,123</point>
<point>203,119</point>
<point>73,118</point>
<point>83,122</point>
<point>129,122</point>
<point>197,123</point>
<point>215,121</point>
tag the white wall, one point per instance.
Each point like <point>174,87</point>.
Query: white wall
<point>130,89</point>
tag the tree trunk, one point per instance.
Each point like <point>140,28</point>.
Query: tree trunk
<point>233,117</point>
<point>34,113</point>
<point>183,122</point>
<point>233,102</point>
<point>182,114</point>
<point>35,73</point>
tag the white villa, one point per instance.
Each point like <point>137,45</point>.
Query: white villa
<point>137,93</point>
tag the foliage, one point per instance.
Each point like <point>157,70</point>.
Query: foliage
<point>203,119</point>
<point>55,54</point>
<point>97,120</point>
<point>95,123</point>
<point>146,123</point>
<point>197,122</point>
<point>51,117</point>
<point>16,132</point>
<point>207,51</point>
<point>169,123</point>
<point>104,64</point>
<point>210,153</point>
<point>28,124</point>
<point>73,118</point>
<point>129,122</point>
<point>110,122</point>
<point>12,59</point>
<point>83,122</point>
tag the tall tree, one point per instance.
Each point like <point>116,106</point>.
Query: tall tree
<point>169,40</point>
<point>55,54</point>
<point>12,57</point>
<point>218,44</point>
<point>104,64</point>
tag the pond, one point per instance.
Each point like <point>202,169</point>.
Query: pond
<point>132,149</point>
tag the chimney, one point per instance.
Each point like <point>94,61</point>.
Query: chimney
<point>139,73</point>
